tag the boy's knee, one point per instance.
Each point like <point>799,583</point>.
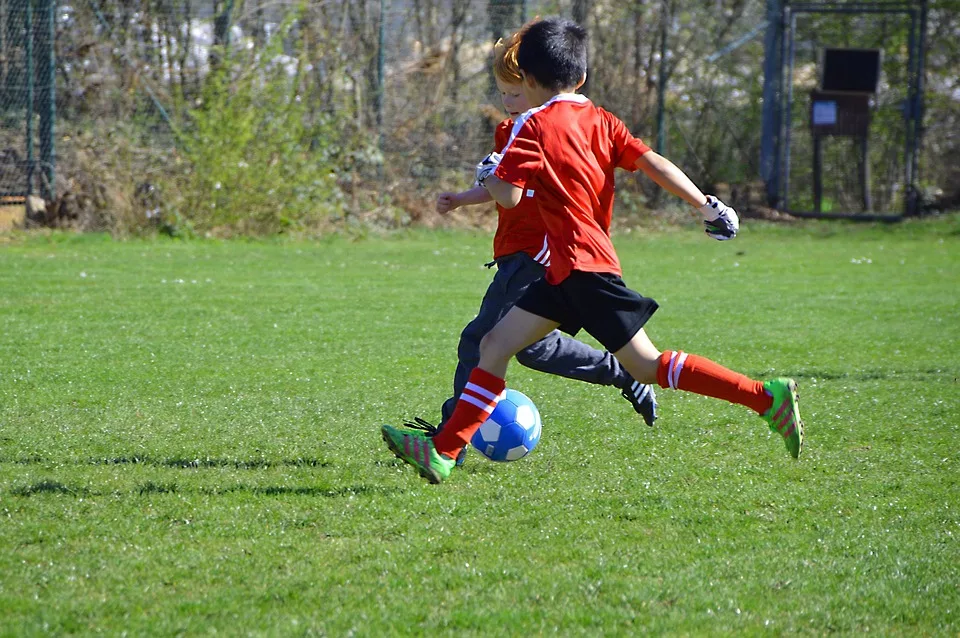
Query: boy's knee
<point>491,347</point>
<point>486,344</point>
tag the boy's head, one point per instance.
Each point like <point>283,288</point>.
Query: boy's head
<point>554,53</point>
<point>505,67</point>
<point>507,74</point>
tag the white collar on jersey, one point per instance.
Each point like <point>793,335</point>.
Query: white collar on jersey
<point>566,97</point>
<point>520,121</point>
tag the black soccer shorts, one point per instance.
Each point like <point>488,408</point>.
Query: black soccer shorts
<point>599,303</point>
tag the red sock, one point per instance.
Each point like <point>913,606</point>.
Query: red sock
<point>479,398</point>
<point>694,373</point>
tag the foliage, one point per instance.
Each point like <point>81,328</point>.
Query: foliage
<point>392,141</point>
<point>260,158</point>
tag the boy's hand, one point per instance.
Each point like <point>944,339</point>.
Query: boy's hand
<point>446,202</point>
<point>486,167</point>
<point>721,221</point>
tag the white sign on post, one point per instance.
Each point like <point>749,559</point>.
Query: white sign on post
<point>825,113</point>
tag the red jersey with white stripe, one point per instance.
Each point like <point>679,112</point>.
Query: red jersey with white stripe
<point>519,229</point>
<point>566,151</point>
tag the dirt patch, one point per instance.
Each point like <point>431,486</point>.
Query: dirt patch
<point>12,216</point>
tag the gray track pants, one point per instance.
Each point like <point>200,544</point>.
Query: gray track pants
<point>554,354</point>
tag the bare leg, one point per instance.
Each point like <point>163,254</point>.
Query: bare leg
<point>640,357</point>
<point>517,330</point>
<point>776,400</point>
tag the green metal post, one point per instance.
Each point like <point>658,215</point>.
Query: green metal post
<point>381,79</point>
<point>772,102</point>
<point>47,103</point>
<point>222,23</point>
<point>30,78</point>
<point>381,60</point>
<point>662,79</point>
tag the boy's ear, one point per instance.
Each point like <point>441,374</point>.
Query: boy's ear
<point>583,80</point>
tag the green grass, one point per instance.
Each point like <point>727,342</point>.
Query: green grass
<point>189,443</point>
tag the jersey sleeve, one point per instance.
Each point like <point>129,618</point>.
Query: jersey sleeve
<point>522,157</point>
<point>627,148</point>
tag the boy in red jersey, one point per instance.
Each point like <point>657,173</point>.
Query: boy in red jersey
<point>521,254</point>
<point>567,149</point>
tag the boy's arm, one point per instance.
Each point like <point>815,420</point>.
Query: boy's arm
<point>721,221</point>
<point>447,202</point>
<point>504,193</point>
<point>666,174</point>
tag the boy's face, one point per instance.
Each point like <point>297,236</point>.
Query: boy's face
<point>514,100</point>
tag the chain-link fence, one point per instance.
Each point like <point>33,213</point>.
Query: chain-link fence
<point>258,115</point>
<point>27,109</point>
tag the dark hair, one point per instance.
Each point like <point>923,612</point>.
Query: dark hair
<point>554,52</point>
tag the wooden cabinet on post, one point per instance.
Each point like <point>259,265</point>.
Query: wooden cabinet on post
<point>841,108</point>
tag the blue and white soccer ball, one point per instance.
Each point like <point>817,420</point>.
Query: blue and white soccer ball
<point>511,431</point>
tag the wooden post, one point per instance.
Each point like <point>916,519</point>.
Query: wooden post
<point>817,172</point>
<point>865,172</point>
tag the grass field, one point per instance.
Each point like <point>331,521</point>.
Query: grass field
<point>189,444</point>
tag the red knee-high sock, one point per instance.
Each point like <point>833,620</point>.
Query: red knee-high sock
<point>477,401</point>
<point>694,373</point>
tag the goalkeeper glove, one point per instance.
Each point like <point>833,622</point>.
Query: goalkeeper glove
<point>721,221</point>
<point>486,167</point>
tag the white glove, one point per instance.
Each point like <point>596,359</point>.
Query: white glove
<point>486,167</point>
<point>721,221</point>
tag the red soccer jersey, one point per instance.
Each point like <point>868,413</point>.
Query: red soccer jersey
<point>565,151</point>
<point>519,228</point>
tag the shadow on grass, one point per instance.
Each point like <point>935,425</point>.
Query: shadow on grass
<point>866,375</point>
<point>47,486</point>
<point>181,462</point>
<point>269,490</point>
<point>325,492</point>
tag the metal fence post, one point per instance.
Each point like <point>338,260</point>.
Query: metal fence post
<point>772,72</point>
<point>47,99</point>
<point>662,76</point>
<point>28,28</point>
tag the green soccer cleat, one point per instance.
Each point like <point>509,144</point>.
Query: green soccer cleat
<point>784,415</point>
<point>432,431</point>
<point>416,448</point>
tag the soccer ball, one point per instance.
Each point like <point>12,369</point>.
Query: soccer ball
<point>511,431</point>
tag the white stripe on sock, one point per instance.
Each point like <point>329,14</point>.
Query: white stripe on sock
<point>486,407</point>
<point>677,369</point>
<point>673,358</point>
<point>483,392</point>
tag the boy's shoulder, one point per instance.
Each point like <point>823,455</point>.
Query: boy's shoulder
<point>502,133</point>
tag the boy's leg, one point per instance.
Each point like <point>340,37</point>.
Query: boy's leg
<point>433,457</point>
<point>468,352</point>
<point>564,356</point>
<point>514,274</point>
<point>514,332</point>
<point>776,401</point>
